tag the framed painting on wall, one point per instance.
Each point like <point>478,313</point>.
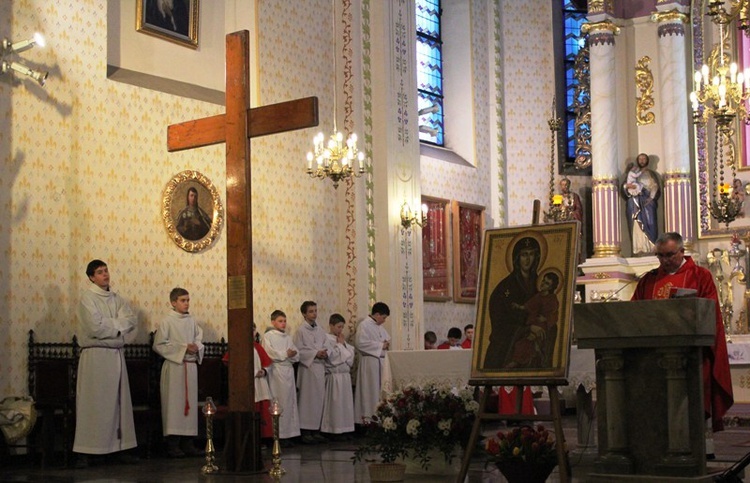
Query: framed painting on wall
<point>192,211</point>
<point>175,21</point>
<point>468,225</point>
<point>435,257</point>
<point>525,304</point>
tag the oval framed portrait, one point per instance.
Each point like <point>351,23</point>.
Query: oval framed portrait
<point>192,211</point>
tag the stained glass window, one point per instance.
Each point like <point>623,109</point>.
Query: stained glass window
<point>573,16</point>
<point>430,72</point>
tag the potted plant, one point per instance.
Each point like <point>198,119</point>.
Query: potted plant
<point>525,454</point>
<point>419,423</point>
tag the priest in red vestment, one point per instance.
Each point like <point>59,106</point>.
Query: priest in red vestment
<point>678,271</point>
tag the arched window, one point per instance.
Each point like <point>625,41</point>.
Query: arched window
<point>430,72</point>
<point>571,59</point>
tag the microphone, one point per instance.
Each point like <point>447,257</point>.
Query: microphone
<point>610,296</point>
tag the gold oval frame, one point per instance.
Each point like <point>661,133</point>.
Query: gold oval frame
<point>174,190</point>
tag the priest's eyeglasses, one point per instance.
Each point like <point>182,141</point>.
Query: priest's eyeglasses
<point>667,255</point>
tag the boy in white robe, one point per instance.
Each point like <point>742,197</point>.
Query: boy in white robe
<point>104,411</point>
<point>282,351</point>
<point>312,342</point>
<point>371,342</point>
<point>338,408</point>
<point>179,341</point>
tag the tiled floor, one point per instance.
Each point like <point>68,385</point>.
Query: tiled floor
<point>329,463</point>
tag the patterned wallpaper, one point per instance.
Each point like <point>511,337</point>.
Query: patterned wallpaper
<point>84,165</point>
<point>529,88</point>
<point>527,91</point>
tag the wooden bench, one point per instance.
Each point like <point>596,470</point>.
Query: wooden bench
<point>52,368</point>
<point>52,371</point>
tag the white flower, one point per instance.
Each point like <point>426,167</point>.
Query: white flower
<point>444,425</point>
<point>389,424</point>
<point>412,428</point>
<point>472,406</point>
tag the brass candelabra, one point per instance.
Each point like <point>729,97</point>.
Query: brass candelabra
<point>276,470</point>
<point>209,410</point>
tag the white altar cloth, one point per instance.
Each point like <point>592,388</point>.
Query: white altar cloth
<point>419,367</point>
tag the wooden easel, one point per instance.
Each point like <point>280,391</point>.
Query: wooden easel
<point>554,414</point>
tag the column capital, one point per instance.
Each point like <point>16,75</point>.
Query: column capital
<point>603,26</point>
<point>600,33</point>
<point>670,16</point>
<point>599,7</point>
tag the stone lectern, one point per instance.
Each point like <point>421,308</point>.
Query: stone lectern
<point>649,386</point>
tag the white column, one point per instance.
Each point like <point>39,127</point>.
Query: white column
<point>676,125</point>
<point>396,174</point>
<point>605,199</point>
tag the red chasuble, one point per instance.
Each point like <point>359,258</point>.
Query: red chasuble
<point>261,407</point>
<point>717,382</point>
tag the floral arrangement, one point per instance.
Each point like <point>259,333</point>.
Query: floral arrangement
<point>527,444</point>
<point>415,420</point>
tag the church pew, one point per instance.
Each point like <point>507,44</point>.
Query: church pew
<point>52,370</point>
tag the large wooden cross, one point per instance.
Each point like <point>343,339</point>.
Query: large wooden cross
<point>235,128</point>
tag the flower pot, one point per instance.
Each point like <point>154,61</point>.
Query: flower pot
<point>520,471</point>
<point>386,471</point>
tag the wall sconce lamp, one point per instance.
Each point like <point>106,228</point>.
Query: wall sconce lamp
<point>40,77</point>
<point>18,47</point>
<point>409,218</point>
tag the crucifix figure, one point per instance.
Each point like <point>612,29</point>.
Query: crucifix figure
<point>235,128</point>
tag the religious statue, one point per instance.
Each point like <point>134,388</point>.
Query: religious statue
<point>572,205</point>
<point>641,190</point>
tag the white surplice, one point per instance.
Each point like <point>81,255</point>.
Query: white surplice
<point>311,375</point>
<point>104,411</point>
<point>281,380</point>
<point>369,343</point>
<point>179,373</point>
<point>338,409</point>
<point>262,389</point>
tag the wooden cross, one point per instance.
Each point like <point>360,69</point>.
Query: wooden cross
<point>235,128</point>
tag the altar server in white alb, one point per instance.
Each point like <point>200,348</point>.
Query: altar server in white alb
<point>282,351</point>
<point>179,340</point>
<point>312,342</point>
<point>371,341</point>
<point>338,409</point>
<point>104,411</point>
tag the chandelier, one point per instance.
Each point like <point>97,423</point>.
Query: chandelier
<point>721,94</point>
<point>334,159</point>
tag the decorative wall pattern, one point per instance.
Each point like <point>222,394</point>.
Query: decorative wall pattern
<point>84,166</point>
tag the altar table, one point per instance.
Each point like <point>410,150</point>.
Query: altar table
<point>419,367</point>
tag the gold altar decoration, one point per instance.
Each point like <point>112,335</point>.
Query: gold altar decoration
<point>582,108</point>
<point>644,79</point>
